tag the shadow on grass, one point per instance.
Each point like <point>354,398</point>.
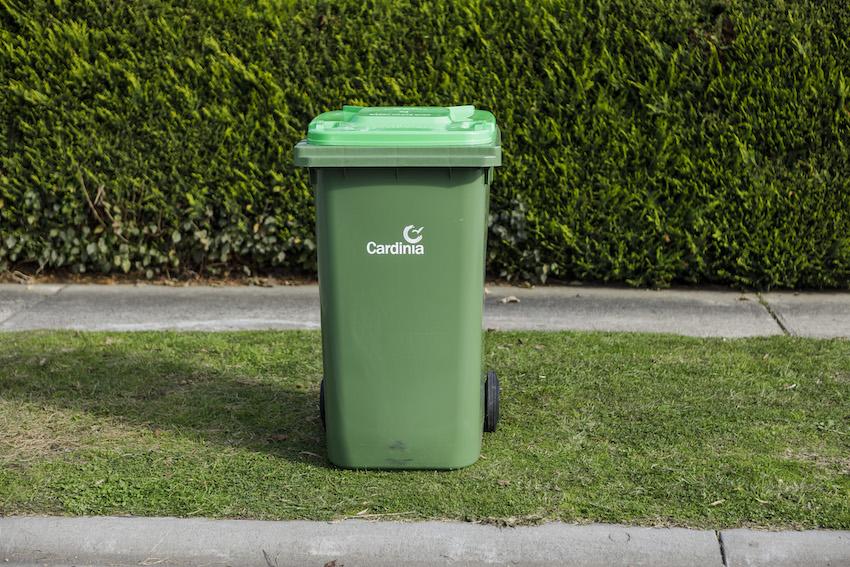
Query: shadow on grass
<point>178,392</point>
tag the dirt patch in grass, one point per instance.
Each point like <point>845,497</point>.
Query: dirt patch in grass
<point>29,433</point>
<point>842,377</point>
<point>828,462</point>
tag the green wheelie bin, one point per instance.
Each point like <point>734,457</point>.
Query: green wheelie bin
<point>402,198</point>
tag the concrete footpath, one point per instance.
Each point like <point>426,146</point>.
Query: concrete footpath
<point>694,312</point>
<point>355,543</point>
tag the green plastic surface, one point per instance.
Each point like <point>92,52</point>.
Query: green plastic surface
<point>400,126</point>
<point>401,274</point>
<point>402,198</point>
<point>404,126</point>
<point>308,155</point>
<point>416,136</point>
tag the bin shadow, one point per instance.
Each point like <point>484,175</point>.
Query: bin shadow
<point>143,390</point>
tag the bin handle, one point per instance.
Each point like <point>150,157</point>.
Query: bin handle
<point>461,113</point>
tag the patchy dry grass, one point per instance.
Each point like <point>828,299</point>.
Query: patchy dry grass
<point>29,433</point>
<point>839,463</point>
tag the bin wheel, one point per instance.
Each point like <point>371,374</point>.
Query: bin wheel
<point>322,403</point>
<point>491,402</point>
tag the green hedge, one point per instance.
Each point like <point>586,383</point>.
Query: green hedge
<point>645,141</point>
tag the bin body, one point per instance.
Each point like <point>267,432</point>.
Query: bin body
<point>401,271</point>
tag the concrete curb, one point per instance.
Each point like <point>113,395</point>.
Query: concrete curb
<point>351,543</point>
<point>820,315</point>
<point>692,312</point>
<point>54,541</point>
<point>749,548</point>
<point>699,313</point>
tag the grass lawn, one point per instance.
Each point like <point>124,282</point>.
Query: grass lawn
<point>645,429</point>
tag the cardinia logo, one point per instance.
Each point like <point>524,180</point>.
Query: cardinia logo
<point>412,244</point>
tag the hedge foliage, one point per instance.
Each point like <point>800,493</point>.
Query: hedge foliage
<point>645,141</point>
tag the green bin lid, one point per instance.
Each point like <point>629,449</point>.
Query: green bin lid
<point>394,126</point>
<point>453,136</point>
